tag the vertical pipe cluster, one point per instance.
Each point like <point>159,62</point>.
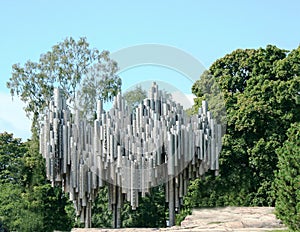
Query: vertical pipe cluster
<point>129,151</point>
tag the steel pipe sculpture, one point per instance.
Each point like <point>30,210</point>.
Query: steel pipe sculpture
<point>130,151</point>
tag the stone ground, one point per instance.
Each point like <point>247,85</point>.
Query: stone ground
<point>237,219</point>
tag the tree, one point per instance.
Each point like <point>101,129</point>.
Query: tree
<point>134,97</point>
<point>259,88</point>
<point>100,83</point>
<point>64,67</point>
<point>208,89</point>
<point>13,182</point>
<point>12,207</point>
<point>287,182</point>
<point>28,202</point>
<point>11,163</point>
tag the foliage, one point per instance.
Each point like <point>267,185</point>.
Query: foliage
<point>3,228</point>
<point>101,215</point>
<point>11,164</point>
<point>259,88</point>
<point>28,202</point>
<point>100,83</point>
<point>45,201</point>
<point>207,88</point>
<point>64,67</point>
<point>287,182</point>
<point>150,213</point>
<point>134,97</point>
<point>12,206</point>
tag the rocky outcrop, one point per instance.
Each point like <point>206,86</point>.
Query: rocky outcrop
<point>237,219</point>
<point>232,219</point>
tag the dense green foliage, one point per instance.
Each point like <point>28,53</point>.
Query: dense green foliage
<point>150,213</point>
<point>28,202</point>
<point>11,166</point>
<point>259,88</point>
<point>101,215</point>
<point>287,182</point>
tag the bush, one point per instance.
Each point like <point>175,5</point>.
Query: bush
<point>287,182</point>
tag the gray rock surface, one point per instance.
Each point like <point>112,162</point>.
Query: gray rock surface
<point>237,219</point>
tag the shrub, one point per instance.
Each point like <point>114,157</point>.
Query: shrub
<point>287,180</point>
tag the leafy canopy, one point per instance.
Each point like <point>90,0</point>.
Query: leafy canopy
<point>64,67</point>
<point>260,89</point>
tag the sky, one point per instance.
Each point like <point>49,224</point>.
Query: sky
<point>207,30</point>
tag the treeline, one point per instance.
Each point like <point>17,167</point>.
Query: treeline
<point>259,161</point>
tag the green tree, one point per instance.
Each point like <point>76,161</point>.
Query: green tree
<point>49,205</point>
<point>100,83</point>
<point>207,88</point>
<point>27,200</point>
<point>134,97</point>
<point>287,182</point>
<point>12,207</point>
<point>259,88</point>
<point>14,210</point>
<point>11,163</point>
<point>64,67</point>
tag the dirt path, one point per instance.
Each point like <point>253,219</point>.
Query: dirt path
<point>237,219</point>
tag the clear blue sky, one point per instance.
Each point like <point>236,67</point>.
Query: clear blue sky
<point>206,29</point>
